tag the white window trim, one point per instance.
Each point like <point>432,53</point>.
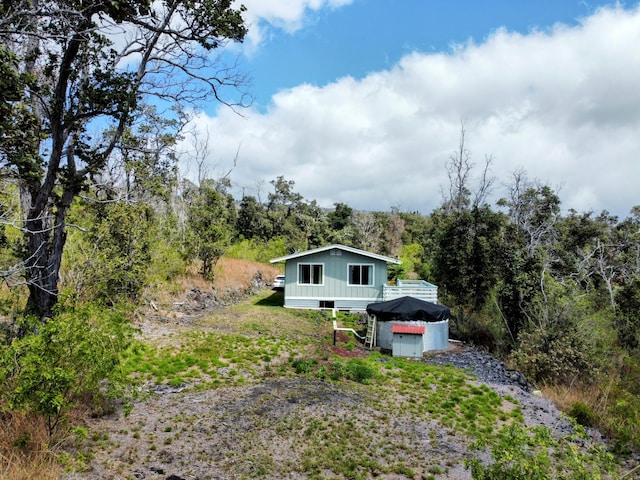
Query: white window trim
<point>372,279</point>
<point>309,284</point>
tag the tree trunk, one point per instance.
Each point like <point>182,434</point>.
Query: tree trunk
<point>44,243</point>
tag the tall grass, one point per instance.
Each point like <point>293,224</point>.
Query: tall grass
<point>611,406</point>
<point>25,451</point>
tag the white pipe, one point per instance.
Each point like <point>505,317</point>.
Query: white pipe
<point>335,327</point>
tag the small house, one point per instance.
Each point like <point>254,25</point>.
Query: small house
<point>342,278</point>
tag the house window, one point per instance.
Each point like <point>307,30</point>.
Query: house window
<point>310,274</point>
<point>361,275</point>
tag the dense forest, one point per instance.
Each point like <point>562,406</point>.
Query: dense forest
<point>93,223</point>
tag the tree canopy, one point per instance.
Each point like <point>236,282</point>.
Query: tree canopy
<point>75,77</point>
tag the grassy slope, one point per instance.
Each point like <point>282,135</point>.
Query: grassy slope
<point>257,391</point>
<point>282,402</point>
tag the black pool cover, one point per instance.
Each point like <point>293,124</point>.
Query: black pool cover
<point>408,308</point>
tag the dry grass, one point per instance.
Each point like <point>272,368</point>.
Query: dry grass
<point>24,450</point>
<point>565,396</point>
<point>235,274</point>
<point>231,275</point>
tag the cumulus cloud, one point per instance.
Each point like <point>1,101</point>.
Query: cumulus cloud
<point>288,15</point>
<point>562,104</point>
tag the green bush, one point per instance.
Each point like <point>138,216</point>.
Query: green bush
<point>624,421</point>
<point>303,365</point>
<point>258,250</point>
<point>360,370</point>
<point>337,370</point>
<point>553,357</point>
<point>583,414</point>
<point>474,328</point>
<point>71,357</point>
<point>522,453</point>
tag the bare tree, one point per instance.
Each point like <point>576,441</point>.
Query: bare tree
<point>459,168</point>
<point>534,208</point>
<point>368,226</point>
<point>485,184</point>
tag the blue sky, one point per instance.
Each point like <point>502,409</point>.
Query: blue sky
<point>362,101</point>
<point>368,36</point>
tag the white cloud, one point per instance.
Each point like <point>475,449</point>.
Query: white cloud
<point>287,15</point>
<point>562,104</point>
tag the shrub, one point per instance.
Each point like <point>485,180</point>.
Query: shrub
<point>360,370</point>
<point>552,357</point>
<point>523,453</point>
<point>303,365</point>
<point>72,356</point>
<point>583,414</point>
<point>624,421</point>
<point>258,250</point>
<point>337,370</point>
<point>474,328</point>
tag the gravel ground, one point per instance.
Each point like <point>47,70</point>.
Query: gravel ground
<point>250,431</point>
<point>537,410</point>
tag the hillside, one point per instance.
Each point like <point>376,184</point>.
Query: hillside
<point>251,390</point>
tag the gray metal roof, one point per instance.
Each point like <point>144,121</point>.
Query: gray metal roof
<point>338,247</point>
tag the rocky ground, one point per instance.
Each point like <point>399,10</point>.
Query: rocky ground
<point>505,381</point>
<point>234,433</point>
<point>255,430</point>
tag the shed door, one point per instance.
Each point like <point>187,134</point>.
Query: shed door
<point>407,345</point>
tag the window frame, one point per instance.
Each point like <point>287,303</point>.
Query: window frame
<point>372,270</point>
<point>311,274</point>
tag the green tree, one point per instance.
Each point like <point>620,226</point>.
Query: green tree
<point>83,80</point>
<point>341,226</point>
<point>412,256</point>
<point>417,228</point>
<point>628,315</point>
<point>284,205</point>
<point>576,232</point>
<point>9,238</point>
<point>50,371</point>
<point>340,217</point>
<point>252,219</point>
<point>464,263</point>
<point>311,223</point>
<point>147,157</point>
<point>467,234</point>
<point>518,284</point>
<point>211,216</point>
<point>116,252</point>
<point>529,251</point>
